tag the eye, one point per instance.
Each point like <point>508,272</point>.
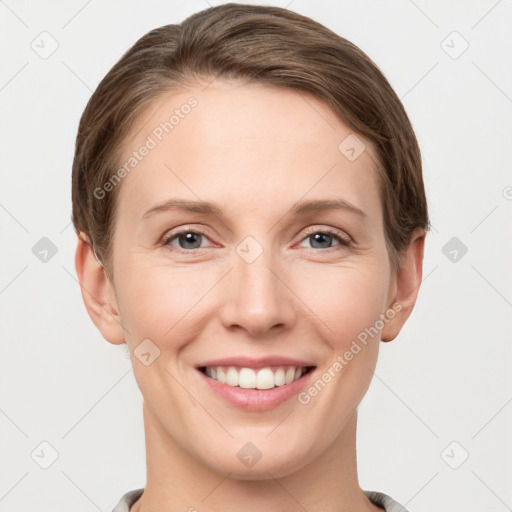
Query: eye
<point>323,238</point>
<point>187,240</point>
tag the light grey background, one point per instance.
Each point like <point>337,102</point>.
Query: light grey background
<point>442,390</point>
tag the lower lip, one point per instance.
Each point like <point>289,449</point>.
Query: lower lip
<point>256,399</point>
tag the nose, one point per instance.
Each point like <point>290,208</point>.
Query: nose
<point>256,297</point>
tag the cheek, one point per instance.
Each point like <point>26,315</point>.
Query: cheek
<point>347,299</point>
<point>159,302</point>
<point>164,306</point>
<point>164,302</point>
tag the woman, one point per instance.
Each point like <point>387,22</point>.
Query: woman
<point>251,216</point>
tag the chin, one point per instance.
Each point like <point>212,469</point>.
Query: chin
<point>265,464</point>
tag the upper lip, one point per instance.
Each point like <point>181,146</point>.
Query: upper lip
<point>256,362</point>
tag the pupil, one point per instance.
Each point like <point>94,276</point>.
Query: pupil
<point>317,237</point>
<point>189,239</point>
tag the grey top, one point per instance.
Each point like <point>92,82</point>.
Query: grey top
<point>377,498</point>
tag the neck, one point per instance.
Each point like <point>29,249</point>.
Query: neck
<point>176,481</point>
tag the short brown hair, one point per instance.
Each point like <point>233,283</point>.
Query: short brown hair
<point>268,45</point>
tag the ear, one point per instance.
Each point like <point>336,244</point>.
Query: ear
<point>97,292</point>
<point>405,285</point>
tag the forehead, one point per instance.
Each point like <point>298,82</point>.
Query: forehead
<point>245,144</point>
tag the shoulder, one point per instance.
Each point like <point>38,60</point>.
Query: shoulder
<point>383,500</point>
<point>127,500</point>
<point>377,498</point>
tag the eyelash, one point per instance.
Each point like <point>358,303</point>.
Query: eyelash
<point>344,242</point>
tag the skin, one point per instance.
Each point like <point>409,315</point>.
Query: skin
<point>255,150</point>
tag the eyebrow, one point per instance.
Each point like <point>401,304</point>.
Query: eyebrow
<point>208,208</point>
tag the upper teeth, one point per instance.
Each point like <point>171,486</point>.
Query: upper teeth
<point>264,378</point>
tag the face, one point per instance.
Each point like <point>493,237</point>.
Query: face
<point>267,286</point>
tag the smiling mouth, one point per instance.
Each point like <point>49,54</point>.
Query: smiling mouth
<point>260,378</point>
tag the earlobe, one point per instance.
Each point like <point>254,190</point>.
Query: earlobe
<point>97,292</point>
<point>407,284</point>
